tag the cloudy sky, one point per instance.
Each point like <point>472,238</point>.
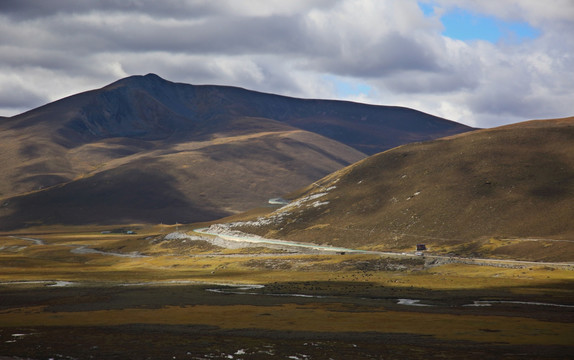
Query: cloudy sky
<point>482,63</point>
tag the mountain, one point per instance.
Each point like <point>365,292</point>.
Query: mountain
<point>144,149</point>
<point>502,191</point>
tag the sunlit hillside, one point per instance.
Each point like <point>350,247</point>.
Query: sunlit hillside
<point>502,189</point>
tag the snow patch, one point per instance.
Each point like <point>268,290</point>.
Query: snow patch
<point>180,236</point>
<point>319,203</point>
<point>278,217</point>
<point>413,195</point>
<point>300,202</point>
<point>410,302</point>
<point>534,303</point>
<point>61,284</point>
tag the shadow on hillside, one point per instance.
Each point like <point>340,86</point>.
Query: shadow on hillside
<point>119,196</point>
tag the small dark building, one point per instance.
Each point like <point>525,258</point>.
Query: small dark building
<point>421,247</point>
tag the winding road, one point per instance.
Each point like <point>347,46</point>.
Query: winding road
<point>34,240</point>
<point>257,239</point>
<point>80,249</point>
<point>333,249</point>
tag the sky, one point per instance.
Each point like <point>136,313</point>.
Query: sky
<point>482,63</point>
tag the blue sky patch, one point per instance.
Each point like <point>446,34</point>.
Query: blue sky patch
<point>464,25</point>
<point>427,8</point>
<point>346,88</point>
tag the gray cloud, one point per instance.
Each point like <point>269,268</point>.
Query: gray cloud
<point>54,48</point>
<point>390,54</point>
<point>419,82</point>
<point>17,96</point>
<point>32,9</point>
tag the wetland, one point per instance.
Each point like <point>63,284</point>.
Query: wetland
<point>189,299</point>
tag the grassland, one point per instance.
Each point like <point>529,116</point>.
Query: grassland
<point>138,296</point>
<point>505,192</point>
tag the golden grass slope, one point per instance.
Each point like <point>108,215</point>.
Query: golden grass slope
<point>513,183</point>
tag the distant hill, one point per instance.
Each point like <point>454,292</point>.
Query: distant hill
<point>144,149</point>
<point>500,191</point>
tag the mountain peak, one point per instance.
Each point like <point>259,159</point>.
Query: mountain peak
<point>150,107</point>
<point>153,76</point>
<point>126,131</point>
<point>147,80</point>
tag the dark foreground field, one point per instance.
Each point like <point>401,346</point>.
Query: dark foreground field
<point>99,321</point>
<point>146,297</point>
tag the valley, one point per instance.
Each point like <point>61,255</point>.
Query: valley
<point>147,150</point>
<point>136,223</point>
<point>164,291</point>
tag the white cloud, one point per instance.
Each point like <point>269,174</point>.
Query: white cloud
<point>293,47</point>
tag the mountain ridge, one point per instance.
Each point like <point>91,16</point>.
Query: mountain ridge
<point>186,131</point>
<point>177,101</point>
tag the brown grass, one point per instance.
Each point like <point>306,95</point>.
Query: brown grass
<point>353,294</point>
<point>313,318</point>
<point>506,183</point>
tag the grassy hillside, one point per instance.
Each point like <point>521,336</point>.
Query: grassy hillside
<point>496,191</point>
<point>185,183</point>
<point>145,149</point>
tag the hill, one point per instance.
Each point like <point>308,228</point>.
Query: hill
<point>503,191</point>
<point>144,149</point>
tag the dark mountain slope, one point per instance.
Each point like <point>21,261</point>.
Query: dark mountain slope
<point>509,182</point>
<point>221,149</point>
<point>367,128</point>
<point>149,107</point>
